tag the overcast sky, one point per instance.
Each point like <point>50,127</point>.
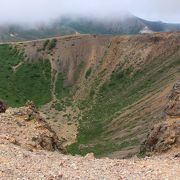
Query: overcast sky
<point>43,10</point>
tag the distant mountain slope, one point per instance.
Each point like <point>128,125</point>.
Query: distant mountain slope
<point>84,25</point>
<point>129,25</point>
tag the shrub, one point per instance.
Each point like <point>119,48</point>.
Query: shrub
<point>58,107</point>
<point>88,73</point>
<point>52,44</point>
<point>45,44</point>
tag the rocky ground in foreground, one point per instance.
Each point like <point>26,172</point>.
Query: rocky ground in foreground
<point>25,127</point>
<point>30,149</point>
<point>17,163</point>
<point>27,151</point>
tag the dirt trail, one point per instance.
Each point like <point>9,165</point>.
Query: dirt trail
<point>54,75</point>
<point>17,66</point>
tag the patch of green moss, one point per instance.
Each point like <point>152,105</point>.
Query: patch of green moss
<point>30,81</point>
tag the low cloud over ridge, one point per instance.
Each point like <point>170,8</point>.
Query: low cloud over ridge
<point>33,11</point>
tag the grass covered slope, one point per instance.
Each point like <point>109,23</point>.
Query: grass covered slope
<point>125,87</point>
<point>115,86</point>
<point>30,80</point>
<point>119,109</point>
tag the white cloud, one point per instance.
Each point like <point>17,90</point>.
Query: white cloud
<point>43,10</point>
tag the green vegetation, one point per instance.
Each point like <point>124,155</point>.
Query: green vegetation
<point>125,87</point>
<point>62,94</point>
<point>31,80</point>
<point>58,106</point>
<point>88,73</point>
<point>52,44</point>
<point>61,91</point>
<point>100,148</point>
<point>105,102</point>
<point>48,44</point>
<point>78,70</point>
<point>45,44</point>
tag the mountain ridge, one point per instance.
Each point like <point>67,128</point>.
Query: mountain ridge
<point>67,25</point>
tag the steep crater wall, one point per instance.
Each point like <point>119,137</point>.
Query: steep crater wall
<point>118,83</point>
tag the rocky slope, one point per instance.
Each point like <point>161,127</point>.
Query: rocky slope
<point>17,163</point>
<point>25,136</point>
<point>25,127</point>
<point>166,135</point>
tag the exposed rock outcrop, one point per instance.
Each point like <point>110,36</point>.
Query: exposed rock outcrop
<point>163,136</point>
<point>25,127</point>
<point>3,107</point>
<point>173,107</point>
<point>166,135</point>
